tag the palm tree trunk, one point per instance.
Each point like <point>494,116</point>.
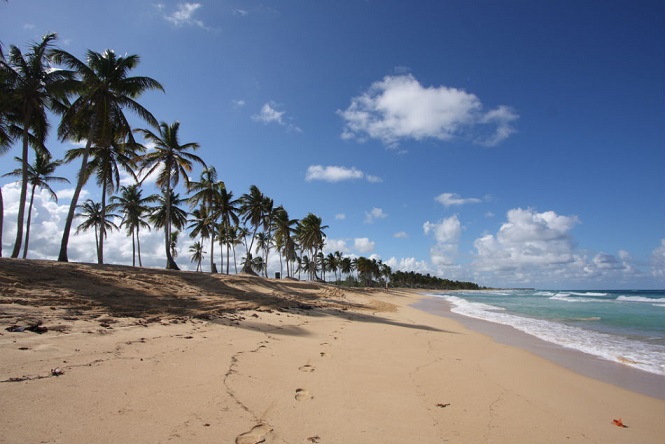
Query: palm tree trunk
<point>24,191</point>
<point>138,246</point>
<point>133,249</point>
<point>96,240</point>
<point>2,219</point>
<point>102,227</point>
<point>170,263</point>
<point>213,268</point>
<point>62,257</point>
<point>27,228</point>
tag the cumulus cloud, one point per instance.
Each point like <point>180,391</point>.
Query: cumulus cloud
<point>270,114</point>
<point>658,261</point>
<point>340,216</point>
<point>337,174</point>
<point>363,245</point>
<point>399,107</point>
<point>450,199</point>
<point>374,214</point>
<point>401,235</point>
<point>183,15</point>
<point>526,240</point>
<point>447,233</point>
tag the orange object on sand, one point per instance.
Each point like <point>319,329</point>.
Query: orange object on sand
<point>618,423</point>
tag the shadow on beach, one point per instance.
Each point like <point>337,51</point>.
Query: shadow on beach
<point>88,291</point>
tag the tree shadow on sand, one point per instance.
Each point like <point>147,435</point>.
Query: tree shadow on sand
<point>86,291</point>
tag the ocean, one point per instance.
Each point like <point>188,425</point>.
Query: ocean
<point>626,326</point>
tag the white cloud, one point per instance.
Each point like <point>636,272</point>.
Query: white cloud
<point>363,245</point>
<point>340,216</point>
<point>332,173</point>
<point>529,244</point>
<point>658,261</point>
<point>238,103</point>
<point>445,232</point>
<point>374,214</point>
<point>183,15</point>
<point>333,245</point>
<point>399,107</point>
<point>337,174</point>
<point>450,199</point>
<point>269,114</point>
<point>401,235</point>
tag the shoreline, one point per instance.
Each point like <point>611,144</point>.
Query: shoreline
<point>619,375</point>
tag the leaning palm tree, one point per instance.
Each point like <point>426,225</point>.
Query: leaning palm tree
<point>207,193</point>
<point>197,254</point>
<point>92,213</point>
<point>30,88</point>
<point>173,160</point>
<point>134,208</point>
<point>40,175</point>
<point>104,91</point>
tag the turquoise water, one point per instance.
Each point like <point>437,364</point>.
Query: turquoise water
<point>622,326</point>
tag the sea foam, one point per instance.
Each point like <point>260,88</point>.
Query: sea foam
<point>647,357</point>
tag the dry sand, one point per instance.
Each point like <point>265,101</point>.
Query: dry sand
<point>153,356</point>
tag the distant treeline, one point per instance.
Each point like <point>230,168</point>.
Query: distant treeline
<point>416,280</point>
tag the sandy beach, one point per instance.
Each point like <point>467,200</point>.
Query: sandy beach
<point>116,354</point>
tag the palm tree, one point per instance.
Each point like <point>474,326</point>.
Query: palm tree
<point>284,229</point>
<point>310,235</point>
<point>173,160</point>
<point>228,212</point>
<point>168,214</point>
<point>133,207</point>
<point>252,208</point>
<point>200,223</point>
<point>263,243</point>
<point>32,87</point>
<point>92,213</point>
<point>268,216</point>
<point>197,254</point>
<point>104,90</point>
<point>105,161</point>
<point>173,245</point>
<point>207,193</point>
<point>40,174</point>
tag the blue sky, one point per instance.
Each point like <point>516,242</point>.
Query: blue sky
<point>512,143</point>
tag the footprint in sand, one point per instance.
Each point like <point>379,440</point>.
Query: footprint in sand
<point>303,395</point>
<point>324,354</point>
<point>307,368</point>
<point>254,436</point>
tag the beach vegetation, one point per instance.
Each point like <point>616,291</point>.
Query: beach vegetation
<point>40,175</point>
<point>102,90</point>
<point>172,160</point>
<point>197,254</point>
<point>96,218</point>
<point>134,209</point>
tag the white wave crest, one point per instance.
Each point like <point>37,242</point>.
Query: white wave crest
<point>613,348</point>
<point>639,299</point>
